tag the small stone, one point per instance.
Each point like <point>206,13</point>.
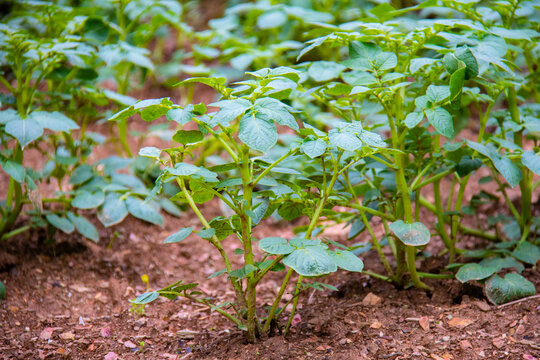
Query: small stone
<point>130,344</point>
<point>68,335</point>
<point>111,356</point>
<point>46,333</point>
<point>424,323</point>
<point>465,344</point>
<point>459,322</point>
<point>375,325</point>
<point>105,332</point>
<point>482,305</point>
<point>520,329</point>
<point>371,300</point>
<point>498,342</point>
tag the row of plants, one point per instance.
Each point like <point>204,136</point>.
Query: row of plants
<point>352,115</point>
<point>370,129</point>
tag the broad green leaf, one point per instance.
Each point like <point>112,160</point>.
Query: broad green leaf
<point>277,111</point>
<point>314,148</point>
<point>88,200</point>
<point>290,210</point>
<point>25,130</point>
<point>54,121</point>
<point>81,174</point>
<point>229,110</point>
<point>360,50</point>
<point>358,78</point>
<point>271,19</point>
<point>259,209</point>
<point>243,272</point>
<point>276,245</point>
<point>464,54</point>
<point>415,234</point>
<point>113,211</point>
<point>257,131</point>
<point>178,236</point>
<point>457,80</point>
<point>531,161</point>
<point>437,93</point>
<point>475,271</point>
<point>150,152</point>
<point>145,298</point>
<point>310,261</point>
<point>512,287</point>
<point>325,70</point>
<point>60,223</point>
<point>527,253</point>
<point>83,226</point>
<point>8,115</point>
<point>419,63</point>
<point>170,207</point>
<point>385,61</point>
<point>15,170</point>
<point>144,211</point>
<point>413,119</point>
<point>183,169</point>
<point>188,136</point>
<point>450,62</point>
<point>347,260</point>
<point>371,139</point>
<point>504,165</point>
<point>206,233</point>
<point>345,140</point>
<point>441,121</point>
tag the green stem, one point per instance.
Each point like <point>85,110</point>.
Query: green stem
<point>214,308</point>
<point>432,179</point>
<point>377,276</point>
<point>15,232</point>
<point>269,168</point>
<point>277,299</point>
<point>441,223</point>
<point>369,210</point>
<point>295,303</point>
<point>435,276</point>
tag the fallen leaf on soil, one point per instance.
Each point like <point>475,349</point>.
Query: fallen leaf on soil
<point>46,333</point>
<point>61,351</point>
<point>322,348</point>
<point>130,344</point>
<point>446,356</point>
<point>13,308</point>
<point>498,342</point>
<point>111,356</point>
<point>529,357</point>
<point>375,325</point>
<point>520,329</point>
<point>465,344</point>
<point>80,288</point>
<point>482,305</point>
<point>424,323</point>
<point>105,332</point>
<point>459,322</point>
<point>68,335</point>
<point>371,299</point>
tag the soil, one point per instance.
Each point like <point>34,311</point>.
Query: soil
<point>70,300</point>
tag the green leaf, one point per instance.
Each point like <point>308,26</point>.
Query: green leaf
<point>257,131</point>
<point>344,140</point>
<point>25,130</point>
<point>527,253</point>
<point>243,272</point>
<point>385,61</point>
<point>290,210</point>
<point>178,236</point>
<point>413,119</point>
<point>419,63</point>
<point>512,287</point>
<point>475,271</point>
<point>325,70</point>
<point>347,260</point>
<point>8,115</point>
<point>276,245</point>
<point>371,139</point>
<point>88,200</point>
<point>145,298</point>
<point>113,211</point>
<point>84,227</point>
<point>457,79</point>
<point>531,161</point>
<point>15,170</point>
<point>441,121</point>
<point>450,62</point>
<point>229,110</point>
<point>60,223</point>
<point>464,54</point>
<point>150,152</point>
<point>277,111</point>
<point>144,211</point>
<point>504,165</point>
<point>310,261</point>
<point>54,121</point>
<point>314,148</point>
<point>206,233</point>
<point>271,19</point>
<point>437,94</point>
<point>183,169</point>
<point>415,234</point>
<point>81,174</point>
<point>188,136</point>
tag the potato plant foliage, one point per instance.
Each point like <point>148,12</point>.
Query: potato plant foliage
<point>363,115</point>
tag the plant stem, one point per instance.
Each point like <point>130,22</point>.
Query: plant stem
<point>295,303</point>
<point>277,299</point>
<point>377,276</point>
<point>214,308</point>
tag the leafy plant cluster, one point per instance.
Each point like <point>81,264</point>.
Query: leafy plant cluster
<point>350,113</point>
<point>366,134</point>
